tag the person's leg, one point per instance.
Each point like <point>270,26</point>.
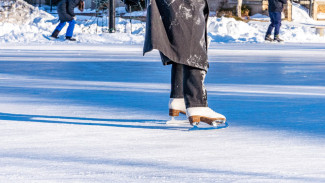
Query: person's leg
<point>176,101</point>
<point>271,26</point>
<point>57,30</point>
<point>177,81</point>
<point>60,26</point>
<point>195,96</point>
<point>277,23</point>
<point>194,91</point>
<point>70,29</point>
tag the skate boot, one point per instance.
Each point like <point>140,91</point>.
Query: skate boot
<point>204,114</point>
<point>268,38</point>
<point>70,38</point>
<point>277,39</point>
<point>176,106</point>
<point>55,34</point>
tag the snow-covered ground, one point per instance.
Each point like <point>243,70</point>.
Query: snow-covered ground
<point>24,24</point>
<point>97,113</point>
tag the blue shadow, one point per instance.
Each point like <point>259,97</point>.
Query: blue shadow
<point>138,123</point>
<point>297,114</point>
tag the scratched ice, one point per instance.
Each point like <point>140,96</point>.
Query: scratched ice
<point>89,113</point>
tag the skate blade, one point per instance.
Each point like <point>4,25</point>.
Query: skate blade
<point>209,127</point>
<point>217,122</point>
<point>195,120</point>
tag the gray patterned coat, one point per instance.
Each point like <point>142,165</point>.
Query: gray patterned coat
<point>177,28</point>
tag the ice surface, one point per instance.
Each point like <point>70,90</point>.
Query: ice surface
<point>96,110</point>
<point>89,113</point>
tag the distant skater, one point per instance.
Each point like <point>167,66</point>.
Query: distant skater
<point>178,29</point>
<point>66,14</point>
<point>275,10</point>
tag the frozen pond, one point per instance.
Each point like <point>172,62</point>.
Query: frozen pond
<point>104,109</point>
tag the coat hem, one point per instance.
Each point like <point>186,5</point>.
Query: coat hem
<point>176,60</point>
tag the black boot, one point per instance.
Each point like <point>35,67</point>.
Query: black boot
<point>277,38</point>
<point>55,34</point>
<point>70,38</point>
<point>268,38</point>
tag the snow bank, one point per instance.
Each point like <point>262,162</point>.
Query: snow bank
<point>301,14</point>
<point>24,23</point>
<point>229,30</point>
<point>302,28</point>
<point>226,30</point>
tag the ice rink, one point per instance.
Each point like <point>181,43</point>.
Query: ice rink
<point>90,113</point>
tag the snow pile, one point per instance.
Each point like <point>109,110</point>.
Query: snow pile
<point>229,30</point>
<point>302,28</point>
<point>24,23</point>
<point>300,34</point>
<point>21,12</point>
<point>301,14</point>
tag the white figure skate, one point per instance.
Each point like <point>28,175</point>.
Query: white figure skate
<point>205,114</point>
<point>176,106</point>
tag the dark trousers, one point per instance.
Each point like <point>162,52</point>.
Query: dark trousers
<point>188,83</point>
<point>275,23</point>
